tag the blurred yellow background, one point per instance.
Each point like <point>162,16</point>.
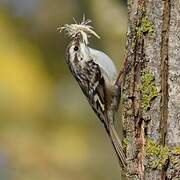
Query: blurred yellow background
<point>47,129</point>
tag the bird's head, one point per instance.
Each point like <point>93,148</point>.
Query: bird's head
<point>79,33</point>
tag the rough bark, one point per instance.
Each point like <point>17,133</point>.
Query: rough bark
<point>151,90</point>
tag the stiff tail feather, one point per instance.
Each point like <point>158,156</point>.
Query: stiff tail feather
<point>117,145</point>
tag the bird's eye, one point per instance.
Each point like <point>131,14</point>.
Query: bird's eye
<point>76,48</point>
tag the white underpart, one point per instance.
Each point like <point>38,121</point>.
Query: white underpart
<point>84,52</point>
<point>105,63</point>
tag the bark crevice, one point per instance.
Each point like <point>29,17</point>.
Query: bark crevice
<point>164,72</point>
<point>164,77</point>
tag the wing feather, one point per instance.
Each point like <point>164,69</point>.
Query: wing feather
<point>93,85</point>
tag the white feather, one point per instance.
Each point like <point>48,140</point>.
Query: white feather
<point>105,63</point>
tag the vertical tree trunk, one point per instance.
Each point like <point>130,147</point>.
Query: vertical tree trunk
<point>151,91</point>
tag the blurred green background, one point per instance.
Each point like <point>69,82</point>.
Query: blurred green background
<point>47,129</point>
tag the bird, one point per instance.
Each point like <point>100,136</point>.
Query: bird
<point>96,75</point>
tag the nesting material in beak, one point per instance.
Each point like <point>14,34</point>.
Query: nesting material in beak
<point>82,29</point>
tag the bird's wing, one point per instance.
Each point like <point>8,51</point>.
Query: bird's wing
<point>92,84</point>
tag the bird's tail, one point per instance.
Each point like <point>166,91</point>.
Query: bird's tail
<point>117,145</point>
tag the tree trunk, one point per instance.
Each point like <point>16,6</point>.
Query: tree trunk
<point>151,90</point>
